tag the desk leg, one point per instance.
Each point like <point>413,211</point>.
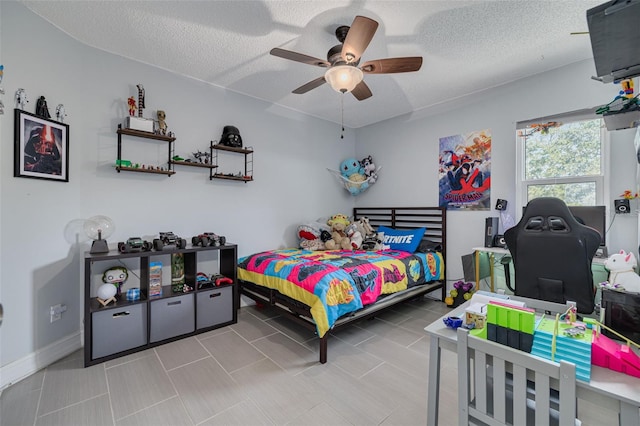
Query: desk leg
<point>491,260</point>
<point>433,391</point>
<point>477,270</point>
<point>629,414</point>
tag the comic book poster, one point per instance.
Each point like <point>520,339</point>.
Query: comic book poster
<point>465,171</point>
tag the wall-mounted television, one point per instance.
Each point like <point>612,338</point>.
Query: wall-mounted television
<point>593,217</point>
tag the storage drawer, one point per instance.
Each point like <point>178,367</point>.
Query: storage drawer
<point>117,330</point>
<point>171,317</point>
<point>215,307</point>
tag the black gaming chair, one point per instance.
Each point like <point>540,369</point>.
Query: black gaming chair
<point>552,254</point>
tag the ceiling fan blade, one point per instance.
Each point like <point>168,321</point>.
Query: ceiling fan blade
<point>358,38</point>
<point>310,86</point>
<point>299,57</point>
<point>392,65</point>
<point>362,91</point>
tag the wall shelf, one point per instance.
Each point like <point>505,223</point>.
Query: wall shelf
<point>193,164</point>
<point>144,135</point>
<point>248,163</point>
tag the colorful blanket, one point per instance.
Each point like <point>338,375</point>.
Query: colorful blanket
<point>334,283</point>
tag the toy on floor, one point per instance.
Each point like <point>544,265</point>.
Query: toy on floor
<point>622,275</point>
<point>460,293</point>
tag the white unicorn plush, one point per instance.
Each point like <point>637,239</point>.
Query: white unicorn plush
<point>621,271</point>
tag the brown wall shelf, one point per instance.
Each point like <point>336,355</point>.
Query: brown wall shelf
<point>148,135</point>
<point>232,149</point>
<point>193,164</point>
<point>141,170</point>
<point>240,178</point>
<point>248,163</point>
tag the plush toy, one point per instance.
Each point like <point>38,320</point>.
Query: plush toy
<point>116,275</point>
<point>365,227</point>
<point>369,169</point>
<point>621,271</point>
<point>311,235</point>
<point>354,236</point>
<point>373,242</point>
<point>352,170</point>
<point>339,239</point>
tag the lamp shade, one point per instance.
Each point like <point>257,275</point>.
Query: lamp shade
<point>343,78</point>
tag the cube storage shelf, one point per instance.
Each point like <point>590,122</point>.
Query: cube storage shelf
<point>124,327</point>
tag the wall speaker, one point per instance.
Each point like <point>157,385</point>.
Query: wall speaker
<point>490,231</point>
<point>622,206</point>
<point>501,204</point>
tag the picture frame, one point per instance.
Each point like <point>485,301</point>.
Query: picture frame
<point>41,147</point>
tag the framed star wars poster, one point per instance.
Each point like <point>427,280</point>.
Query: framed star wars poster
<point>465,171</point>
<point>41,148</point>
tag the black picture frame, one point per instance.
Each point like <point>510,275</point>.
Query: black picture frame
<point>41,147</point>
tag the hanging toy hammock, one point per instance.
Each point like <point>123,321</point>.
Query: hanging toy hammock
<point>356,187</point>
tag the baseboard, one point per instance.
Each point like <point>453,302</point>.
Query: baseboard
<point>26,366</point>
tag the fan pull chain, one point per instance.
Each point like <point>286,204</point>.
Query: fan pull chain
<point>342,115</point>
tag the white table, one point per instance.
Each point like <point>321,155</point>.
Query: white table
<point>607,388</point>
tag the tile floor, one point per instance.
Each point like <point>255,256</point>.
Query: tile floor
<point>263,370</point>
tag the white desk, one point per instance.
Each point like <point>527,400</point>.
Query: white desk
<point>502,252</point>
<point>607,388</point>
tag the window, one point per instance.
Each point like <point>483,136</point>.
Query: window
<point>562,157</point>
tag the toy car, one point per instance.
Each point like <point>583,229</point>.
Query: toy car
<point>168,239</point>
<point>134,244</point>
<point>208,239</point>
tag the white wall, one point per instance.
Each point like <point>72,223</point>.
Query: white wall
<point>408,148</point>
<point>42,243</point>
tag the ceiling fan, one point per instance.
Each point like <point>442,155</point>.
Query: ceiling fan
<point>343,73</point>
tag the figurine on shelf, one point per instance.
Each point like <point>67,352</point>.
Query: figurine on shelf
<point>131,102</point>
<point>42,110</point>
<point>202,157</point>
<point>116,275</point>
<point>162,124</point>
<point>21,98</point>
<point>60,113</point>
<point>141,104</point>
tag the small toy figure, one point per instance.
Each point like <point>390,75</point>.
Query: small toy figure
<point>141,104</point>
<point>202,157</point>
<point>162,125</point>
<point>116,275</point>
<point>60,113</point>
<point>42,110</point>
<point>131,102</point>
<point>21,98</point>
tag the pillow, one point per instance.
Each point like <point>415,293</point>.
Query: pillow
<point>402,239</point>
<point>428,246</point>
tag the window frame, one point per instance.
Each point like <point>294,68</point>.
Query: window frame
<point>601,181</point>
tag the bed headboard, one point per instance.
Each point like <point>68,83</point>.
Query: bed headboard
<point>432,218</point>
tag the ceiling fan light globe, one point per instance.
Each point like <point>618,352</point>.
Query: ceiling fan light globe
<point>343,78</point>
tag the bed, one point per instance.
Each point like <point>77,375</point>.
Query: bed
<point>327,290</point>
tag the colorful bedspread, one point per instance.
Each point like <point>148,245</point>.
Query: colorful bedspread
<point>334,283</point>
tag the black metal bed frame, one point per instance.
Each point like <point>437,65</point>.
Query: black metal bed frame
<point>433,218</point>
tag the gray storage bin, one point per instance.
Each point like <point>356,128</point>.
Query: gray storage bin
<point>172,317</point>
<point>215,307</point>
<point>116,330</point>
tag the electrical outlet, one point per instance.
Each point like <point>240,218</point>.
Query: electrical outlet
<point>56,311</point>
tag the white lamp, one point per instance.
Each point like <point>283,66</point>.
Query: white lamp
<point>343,78</point>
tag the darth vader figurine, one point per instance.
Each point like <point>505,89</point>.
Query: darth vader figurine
<point>42,110</point>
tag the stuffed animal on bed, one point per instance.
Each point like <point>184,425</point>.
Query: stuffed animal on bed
<point>354,236</point>
<point>621,271</point>
<point>339,239</point>
<point>365,228</point>
<point>311,235</point>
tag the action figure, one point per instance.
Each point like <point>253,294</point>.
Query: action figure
<point>42,110</point>
<point>60,113</point>
<point>132,106</point>
<point>141,104</point>
<point>21,98</point>
<point>162,125</point>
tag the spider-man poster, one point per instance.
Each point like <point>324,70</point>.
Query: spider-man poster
<point>465,171</point>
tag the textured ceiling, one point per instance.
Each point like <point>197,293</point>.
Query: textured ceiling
<point>467,46</point>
